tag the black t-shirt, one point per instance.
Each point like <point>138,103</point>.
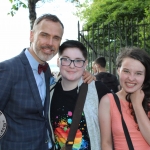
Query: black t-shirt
<point>109,80</point>
<point>62,108</point>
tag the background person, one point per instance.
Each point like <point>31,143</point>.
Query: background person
<point>134,73</point>
<point>72,62</point>
<point>94,68</point>
<point>108,79</point>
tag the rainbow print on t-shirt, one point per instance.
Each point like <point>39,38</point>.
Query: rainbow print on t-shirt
<point>61,134</point>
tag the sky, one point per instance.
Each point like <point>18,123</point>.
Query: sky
<point>15,30</point>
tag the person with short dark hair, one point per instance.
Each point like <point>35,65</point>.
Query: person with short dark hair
<point>72,62</point>
<point>102,75</point>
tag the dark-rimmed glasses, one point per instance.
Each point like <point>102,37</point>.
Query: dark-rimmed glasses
<point>77,62</point>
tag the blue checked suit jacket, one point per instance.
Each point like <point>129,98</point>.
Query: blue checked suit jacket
<point>21,104</point>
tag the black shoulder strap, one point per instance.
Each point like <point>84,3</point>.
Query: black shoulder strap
<point>55,84</point>
<point>77,115</point>
<point>128,139</point>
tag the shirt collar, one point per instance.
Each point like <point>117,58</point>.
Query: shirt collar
<point>33,62</point>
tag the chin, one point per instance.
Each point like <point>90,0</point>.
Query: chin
<point>71,79</point>
<point>130,91</point>
<point>46,57</point>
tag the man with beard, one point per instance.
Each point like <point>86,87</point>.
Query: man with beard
<point>24,88</point>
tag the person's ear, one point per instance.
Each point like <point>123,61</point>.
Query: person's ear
<point>99,66</point>
<point>31,36</point>
<point>118,71</point>
<point>58,60</point>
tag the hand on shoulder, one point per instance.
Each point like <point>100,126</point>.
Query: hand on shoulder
<point>88,77</point>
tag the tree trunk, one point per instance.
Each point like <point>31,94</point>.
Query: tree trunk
<point>32,12</point>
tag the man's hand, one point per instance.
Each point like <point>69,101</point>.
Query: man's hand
<point>88,77</point>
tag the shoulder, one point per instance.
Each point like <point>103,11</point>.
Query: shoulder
<point>106,99</point>
<point>99,83</point>
<point>99,75</point>
<point>101,89</point>
<point>104,104</point>
<point>113,76</point>
<point>7,64</point>
<point>11,61</point>
<point>56,83</point>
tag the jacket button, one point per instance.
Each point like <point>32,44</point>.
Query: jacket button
<point>46,141</point>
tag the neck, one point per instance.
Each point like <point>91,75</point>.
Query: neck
<point>68,85</point>
<point>101,70</point>
<point>122,94</point>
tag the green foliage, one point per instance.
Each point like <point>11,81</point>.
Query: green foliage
<point>31,5</point>
<point>104,11</point>
<point>112,24</point>
<point>16,4</point>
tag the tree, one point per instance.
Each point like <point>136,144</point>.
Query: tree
<point>31,5</point>
<point>111,10</point>
<point>112,24</point>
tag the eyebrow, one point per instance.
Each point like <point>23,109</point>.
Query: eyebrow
<point>135,71</point>
<point>44,32</point>
<point>49,34</point>
<point>140,71</point>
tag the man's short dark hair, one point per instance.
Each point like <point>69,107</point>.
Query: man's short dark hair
<point>49,17</point>
<point>101,61</point>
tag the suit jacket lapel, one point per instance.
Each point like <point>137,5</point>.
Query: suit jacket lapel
<point>32,82</point>
<point>47,99</point>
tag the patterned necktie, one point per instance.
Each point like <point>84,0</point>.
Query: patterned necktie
<point>42,68</point>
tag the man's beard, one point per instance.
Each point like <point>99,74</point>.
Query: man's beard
<point>44,57</point>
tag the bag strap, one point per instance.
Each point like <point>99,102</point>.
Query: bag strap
<point>126,132</point>
<point>77,115</point>
<point>54,85</point>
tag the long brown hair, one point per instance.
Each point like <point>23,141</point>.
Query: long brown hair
<point>144,58</point>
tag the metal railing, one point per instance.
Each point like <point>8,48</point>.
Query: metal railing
<point>106,40</point>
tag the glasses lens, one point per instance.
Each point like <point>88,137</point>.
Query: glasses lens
<point>79,63</point>
<point>65,61</point>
